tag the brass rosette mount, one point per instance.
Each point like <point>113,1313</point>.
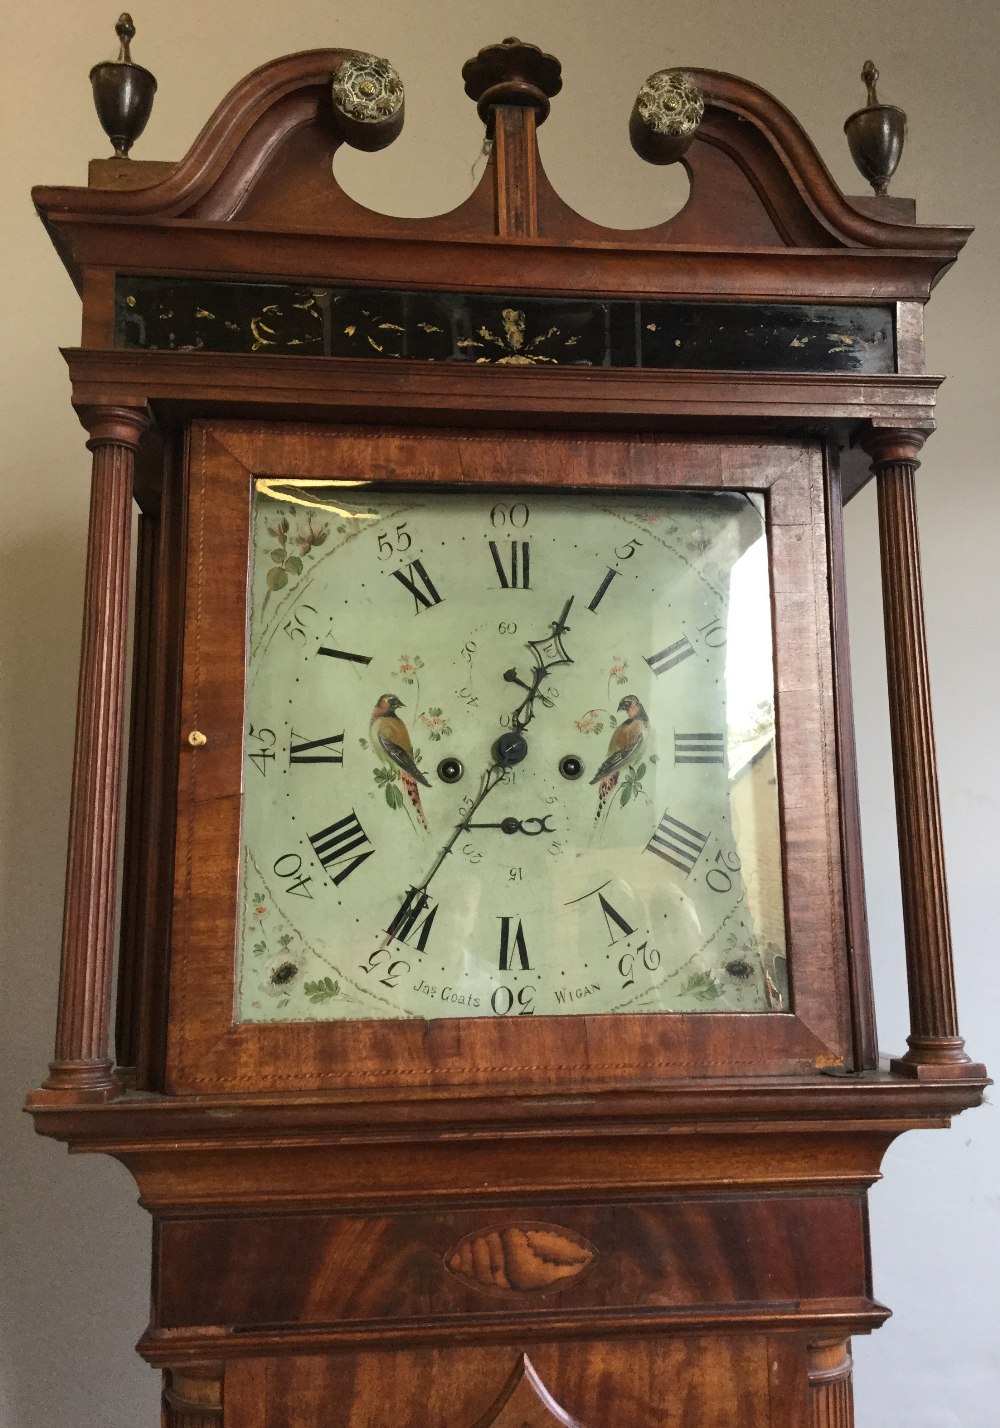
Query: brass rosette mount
<point>665,117</point>
<point>368,102</point>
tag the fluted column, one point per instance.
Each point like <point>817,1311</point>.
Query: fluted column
<point>935,1046</point>
<point>82,1067</point>
<point>192,1396</point>
<point>831,1392</point>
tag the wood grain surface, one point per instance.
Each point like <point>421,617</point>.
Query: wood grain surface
<point>695,1382</point>
<point>682,1255</point>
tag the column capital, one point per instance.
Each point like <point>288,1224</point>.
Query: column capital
<point>193,1396</point>
<point>831,1397</point>
<point>115,425</point>
<point>888,444</point>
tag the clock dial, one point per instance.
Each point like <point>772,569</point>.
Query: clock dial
<point>508,755</point>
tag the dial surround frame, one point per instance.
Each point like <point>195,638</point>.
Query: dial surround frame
<point>207,1051</point>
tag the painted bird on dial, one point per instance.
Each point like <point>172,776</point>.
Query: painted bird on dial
<point>624,748</point>
<point>391,741</point>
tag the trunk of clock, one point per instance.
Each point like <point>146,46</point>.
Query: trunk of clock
<point>637,1279</point>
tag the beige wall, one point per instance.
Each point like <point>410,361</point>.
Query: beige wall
<point>74,1277</point>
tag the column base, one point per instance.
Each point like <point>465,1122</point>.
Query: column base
<point>77,1082</point>
<point>937,1058</point>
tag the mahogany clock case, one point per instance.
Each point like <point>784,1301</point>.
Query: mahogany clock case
<point>529,1220</point>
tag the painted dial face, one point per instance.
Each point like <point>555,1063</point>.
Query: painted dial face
<point>508,755</point>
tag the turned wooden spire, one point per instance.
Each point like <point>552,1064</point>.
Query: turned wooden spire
<point>512,84</point>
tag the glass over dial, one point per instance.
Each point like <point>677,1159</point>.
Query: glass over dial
<point>507,755</point>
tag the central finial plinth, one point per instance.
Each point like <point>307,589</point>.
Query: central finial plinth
<point>512,73</point>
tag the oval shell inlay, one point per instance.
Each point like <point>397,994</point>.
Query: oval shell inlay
<point>526,1258</point>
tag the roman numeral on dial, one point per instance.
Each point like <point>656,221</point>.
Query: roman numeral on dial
<point>712,635</point>
<point>316,751</point>
<point>614,919</point>
<point>513,945</point>
<point>344,654</point>
<point>612,916</point>
<point>338,845</point>
<point>602,589</point>
<point>699,748</point>
<point>416,916</point>
<point>677,843</point>
<point>670,657</point>
<point>420,586</point>
<point>516,573</point>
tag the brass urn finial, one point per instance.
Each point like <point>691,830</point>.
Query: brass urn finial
<point>123,92</point>
<point>876,135</point>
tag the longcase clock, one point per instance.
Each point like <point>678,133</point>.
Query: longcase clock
<point>493,1030</point>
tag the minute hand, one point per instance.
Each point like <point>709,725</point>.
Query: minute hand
<point>489,783</point>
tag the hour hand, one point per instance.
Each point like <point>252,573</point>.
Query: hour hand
<point>549,651</point>
<point>533,690</point>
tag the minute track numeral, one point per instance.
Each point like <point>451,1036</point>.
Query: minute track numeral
<point>504,1001</point>
<point>289,867</point>
<point>338,844</point>
<point>699,748</point>
<point>713,634</point>
<point>262,751</point>
<point>677,843</point>
<point>420,586</point>
<point>316,751</point>
<point>515,573</point>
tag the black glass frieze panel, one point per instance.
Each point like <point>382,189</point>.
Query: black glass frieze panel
<point>768,337</point>
<point>206,315</point>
